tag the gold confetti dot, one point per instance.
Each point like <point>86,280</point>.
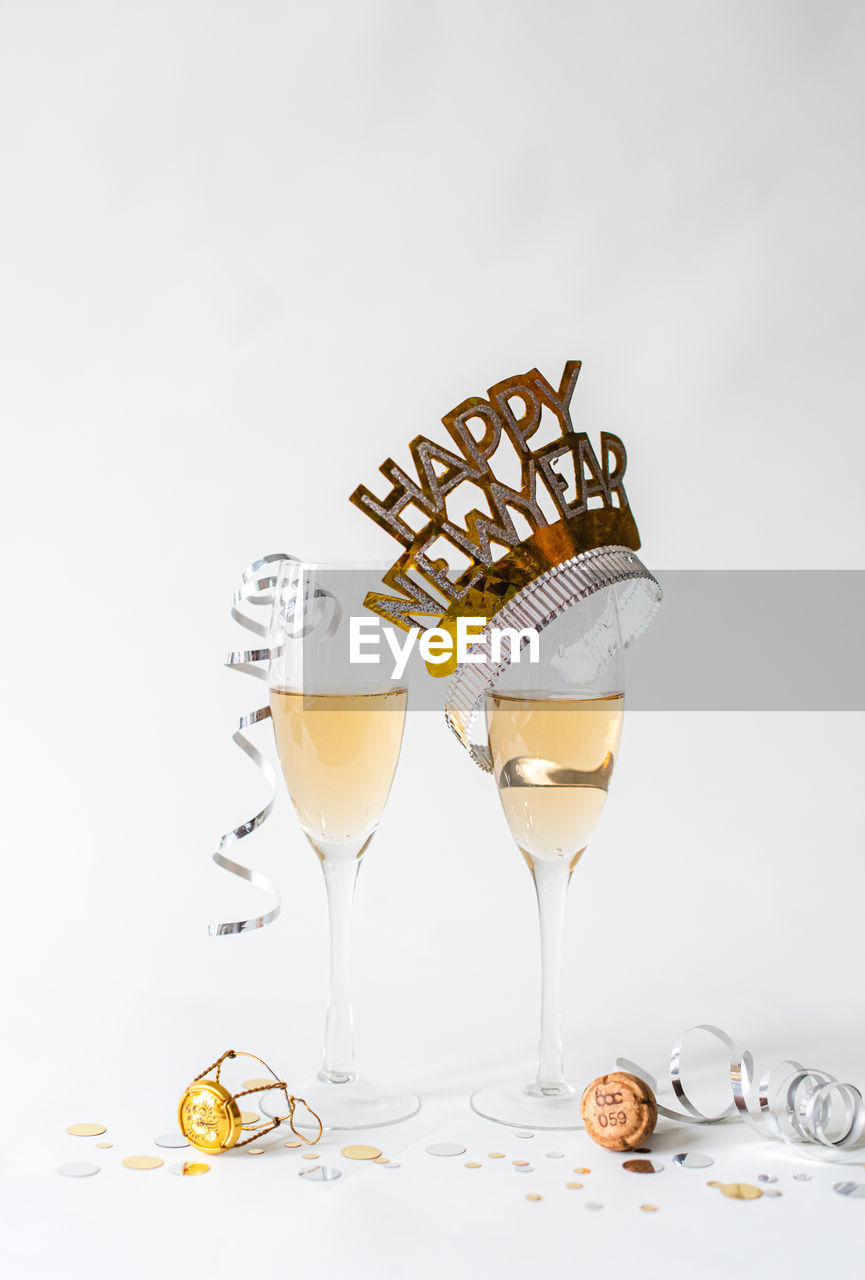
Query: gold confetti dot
<point>85,1130</point>
<point>143,1162</point>
<point>714,1183</point>
<point>740,1191</point>
<point>574,1186</point>
<point>472,1164</point>
<point>248,1118</point>
<point>381,1160</point>
<point>521,1164</point>
<point>649,1208</point>
<point>258,1082</point>
<point>195,1166</point>
<point>582,1171</point>
<point>310,1155</point>
<point>255,1151</point>
<point>533,1195</point>
<point>103,1146</point>
<point>359,1151</point>
<point>496,1155</point>
<point>292,1144</point>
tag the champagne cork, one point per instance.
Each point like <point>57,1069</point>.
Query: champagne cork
<point>619,1111</point>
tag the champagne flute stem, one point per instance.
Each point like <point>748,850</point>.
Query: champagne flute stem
<point>340,876</point>
<point>551,884</point>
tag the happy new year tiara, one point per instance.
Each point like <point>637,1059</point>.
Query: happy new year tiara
<point>535,576</point>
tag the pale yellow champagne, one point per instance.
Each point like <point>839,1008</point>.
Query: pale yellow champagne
<point>552,761</point>
<point>338,754</point>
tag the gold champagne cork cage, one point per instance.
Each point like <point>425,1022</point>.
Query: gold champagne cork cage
<point>211,1120</point>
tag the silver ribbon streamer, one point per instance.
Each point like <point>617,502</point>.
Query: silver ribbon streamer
<point>802,1106</point>
<point>256,591</point>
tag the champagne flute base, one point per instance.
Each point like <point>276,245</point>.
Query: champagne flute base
<point>524,1106</point>
<point>357,1104</point>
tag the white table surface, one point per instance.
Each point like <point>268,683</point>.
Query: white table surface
<point>431,1216</point>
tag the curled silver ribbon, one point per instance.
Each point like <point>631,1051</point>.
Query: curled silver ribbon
<point>795,1104</point>
<point>256,591</point>
<point>297,623</point>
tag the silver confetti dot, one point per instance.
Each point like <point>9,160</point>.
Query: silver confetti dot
<point>802,1177</point>
<point>445,1149</point>
<point>524,1168</point>
<point>320,1173</point>
<point>555,1155</point>
<point>772,1194</point>
<point>642,1166</point>
<point>692,1160</point>
<point>391,1164</point>
<point>593,1204</point>
<point>77,1169</point>
<point>524,1133</point>
<point>854,1190</point>
<point>766,1177</point>
<point>171,1140</point>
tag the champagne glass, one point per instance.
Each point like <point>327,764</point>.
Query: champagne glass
<point>554,729</point>
<point>338,726</point>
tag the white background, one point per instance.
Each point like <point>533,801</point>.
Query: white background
<point>248,251</point>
